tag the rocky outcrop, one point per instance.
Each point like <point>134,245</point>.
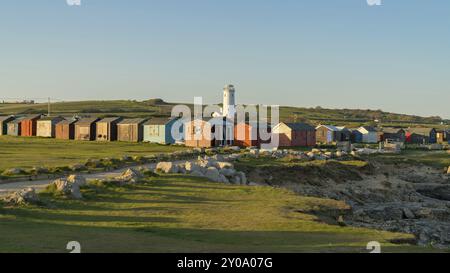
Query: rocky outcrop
<point>401,198</point>
<point>216,168</point>
<point>23,197</point>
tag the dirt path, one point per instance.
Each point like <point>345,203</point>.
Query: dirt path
<point>6,188</point>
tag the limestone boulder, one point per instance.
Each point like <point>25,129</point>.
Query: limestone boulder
<point>197,173</point>
<point>192,166</point>
<point>68,188</point>
<point>213,174</point>
<point>130,176</point>
<point>77,179</point>
<point>23,197</point>
<point>227,172</point>
<point>167,167</point>
<point>235,180</point>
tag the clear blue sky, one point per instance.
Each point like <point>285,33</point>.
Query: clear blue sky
<point>332,53</point>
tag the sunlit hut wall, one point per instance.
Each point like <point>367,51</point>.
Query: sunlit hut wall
<point>295,134</point>
<point>131,130</point>
<point>327,134</point>
<point>246,134</point>
<point>4,120</point>
<point>15,127</point>
<point>159,130</point>
<point>198,133</point>
<point>202,132</point>
<point>65,129</point>
<point>107,129</point>
<point>85,129</point>
<point>46,126</point>
<point>29,125</point>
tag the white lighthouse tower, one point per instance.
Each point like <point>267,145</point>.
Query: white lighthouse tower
<point>229,103</point>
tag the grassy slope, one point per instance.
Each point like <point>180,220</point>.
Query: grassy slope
<point>184,214</point>
<point>129,108</point>
<point>31,152</point>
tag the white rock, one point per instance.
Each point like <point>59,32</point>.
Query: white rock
<point>192,166</point>
<point>68,188</point>
<point>167,167</point>
<point>224,165</point>
<point>25,196</point>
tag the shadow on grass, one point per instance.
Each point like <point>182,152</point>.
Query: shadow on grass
<point>24,236</point>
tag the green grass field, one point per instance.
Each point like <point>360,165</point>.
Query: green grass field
<point>173,213</point>
<point>23,152</point>
<point>438,159</point>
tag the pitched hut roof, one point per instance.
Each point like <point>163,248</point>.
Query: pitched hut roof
<point>51,118</point>
<point>86,121</point>
<point>111,119</point>
<point>343,129</point>
<point>300,126</point>
<point>133,121</point>
<point>3,118</point>
<point>369,128</point>
<point>329,127</point>
<point>391,130</point>
<point>68,121</point>
<point>18,120</point>
<point>31,117</point>
<point>160,121</point>
<point>420,131</point>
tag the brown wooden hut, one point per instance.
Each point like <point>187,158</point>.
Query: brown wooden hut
<point>85,129</point>
<point>65,129</point>
<point>4,120</point>
<point>107,129</point>
<point>131,130</point>
<point>46,126</point>
<point>29,125</point>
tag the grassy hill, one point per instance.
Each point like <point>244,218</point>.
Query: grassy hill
<point>157,107</point>
<point>175,213</point>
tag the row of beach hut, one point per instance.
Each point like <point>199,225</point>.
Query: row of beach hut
<point>158,130</point>
<point>88,129</point>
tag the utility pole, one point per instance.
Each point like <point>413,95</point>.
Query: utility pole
<point>48,107</point>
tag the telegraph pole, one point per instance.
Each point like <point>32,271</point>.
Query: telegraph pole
<point>48,107</point>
